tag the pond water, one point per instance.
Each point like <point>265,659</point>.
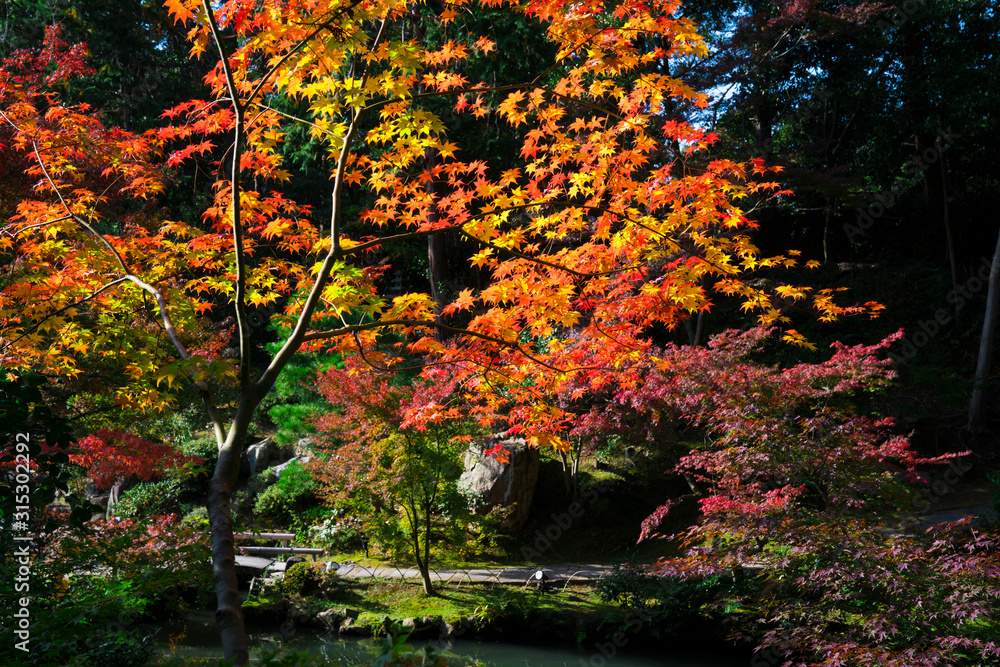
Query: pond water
<point>200,640</point>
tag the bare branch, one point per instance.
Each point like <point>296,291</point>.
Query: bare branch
<point>168,325</point>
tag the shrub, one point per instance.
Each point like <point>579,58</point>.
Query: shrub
<point>205,447</point>
<point>308,578</point>
<point>116,649</point>
<point>293,404</point>
<point>149,499</point>
<point>673,603</point>
<point>339,532</point>
<point>93,585</point>
<point>287,500</point>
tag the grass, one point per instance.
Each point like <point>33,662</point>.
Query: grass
<point>404,599</point>
<point>370,601</point>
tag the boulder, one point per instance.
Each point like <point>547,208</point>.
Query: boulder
<point>489,483</point>
<point>298,615</point>
<point>304,448</point>
<point>350,628</point>
<point>99,500</point>
<point>280,468</point>
<point>259,455</point>
<point>331,618</point>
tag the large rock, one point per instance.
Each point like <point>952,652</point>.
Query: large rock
<point>280,468</point>
<point>304,448</point>
<point>259,455</point>
<point>490,483</point>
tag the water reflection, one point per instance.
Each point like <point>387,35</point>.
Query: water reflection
<point>201,641</point>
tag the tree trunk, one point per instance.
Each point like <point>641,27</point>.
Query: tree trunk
<point>425,571</point>
<point>435,246</point>
<point>421,553</point>
<point>228,614</point>
<point>977,417</point>
<point>567,474</point>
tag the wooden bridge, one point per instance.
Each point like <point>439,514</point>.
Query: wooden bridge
<point>249,560</point>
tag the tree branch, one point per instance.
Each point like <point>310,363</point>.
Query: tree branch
<point>239,113</point>
<point>168,325</point>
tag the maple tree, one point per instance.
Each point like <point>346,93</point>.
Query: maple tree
<point>94,584</point>
<point>394,457</point>
<point>111,455</point>
<point>808,497</point>
<point>607,229</point>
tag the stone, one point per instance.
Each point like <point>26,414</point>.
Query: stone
<point>304,448</point>
<point>489,483</point>
<point>280,468</point>
<point>298,615</point>
<point>409,624</point>
<point>330,618</point>
<point>457,628</point>
<point>259,455</point>
<point>348,627</point>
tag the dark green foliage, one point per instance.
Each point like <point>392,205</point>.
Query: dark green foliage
<point>149,498</point>
<point>139,53</point>
<point>505,603</point>
<point>111,647</point>
<point>205,447</point>
<point>287,501</point>
<point>25,419</point>
<point>119,649</point>
<point>292,404</point>
<point>671,603</point>
<point>310,578</point>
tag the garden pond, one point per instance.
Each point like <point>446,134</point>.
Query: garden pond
<point>199,639</point>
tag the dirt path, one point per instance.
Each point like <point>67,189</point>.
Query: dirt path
<point>510,575</point>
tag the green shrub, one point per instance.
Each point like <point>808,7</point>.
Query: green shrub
<point>149,498</point>
<point>116,649</point>
<point>341,531</point>
<point>288,500</point>
<point>674,599</point>
<point>196,516</point>
<point>206,447</point>
<point>293,402</point>
<point>310,578</point>
<point>107,647</point>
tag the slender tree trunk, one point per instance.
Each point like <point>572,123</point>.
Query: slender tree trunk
<point>827,218</point>
<point>425,573</point>
<point>421,553</point>
<point>228,614</point>
<point>435,246</point>
<point>977,416</point>
<point>567,474</point>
